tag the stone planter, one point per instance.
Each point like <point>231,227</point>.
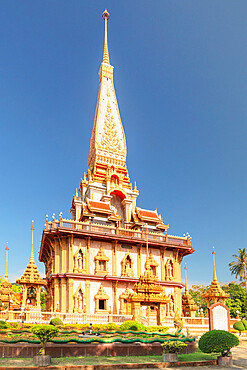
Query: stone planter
<point>42,360</point>
<point>170,357</point>
<point>224,361</point>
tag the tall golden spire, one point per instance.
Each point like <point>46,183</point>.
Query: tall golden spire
<point>6,271</point>
<point>186,284</point>
<point>32,254</point>
<point>106,58</point>
<point>214,275</point>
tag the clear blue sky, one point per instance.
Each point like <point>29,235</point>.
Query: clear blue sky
<point>181,82</point>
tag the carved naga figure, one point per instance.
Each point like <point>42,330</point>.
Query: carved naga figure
<point>178,323</point>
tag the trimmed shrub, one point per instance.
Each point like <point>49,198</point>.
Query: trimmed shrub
<point>239,326</point>
<point>44,333</point>
<point>244,323</point>
<point>132,325</point>
<point>218,341</point>
<point>56,322</point>
<point>111,326</point>
<point>4,324</point>
<point>173,346</point>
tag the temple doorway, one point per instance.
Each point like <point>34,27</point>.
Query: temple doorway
<point>150,313</point>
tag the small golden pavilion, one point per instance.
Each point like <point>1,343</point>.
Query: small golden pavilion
<point>215,293</point>
<point>31,283</point>
<point>95,261</point>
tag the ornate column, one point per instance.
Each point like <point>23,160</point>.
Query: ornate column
<point>139,260</point>
<point>88,255</point>
<point>24,297</point>
<point>70,295</point>
<point>63,301</point>
<point>57,257</point>
<point>162,263</point>
<point>63,249</point>
<point>38,289</point>
<point>56,295</point>
<point>178,300</point>
<point>114,289</point>
<point>70,256</point>
<point>114,258</point>
<point>136,311</point>
<point>87,288</point>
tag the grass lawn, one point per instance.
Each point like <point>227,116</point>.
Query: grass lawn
<point>90,360</point>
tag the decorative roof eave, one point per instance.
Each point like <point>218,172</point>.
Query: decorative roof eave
<point>100,207</point>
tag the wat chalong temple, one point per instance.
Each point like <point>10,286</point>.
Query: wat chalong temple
<point>112,256</point>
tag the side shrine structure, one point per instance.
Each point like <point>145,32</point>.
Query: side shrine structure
<point>112,256</point>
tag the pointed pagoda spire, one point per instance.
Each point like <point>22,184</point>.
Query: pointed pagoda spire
<point>107,144</point>
<point>106,58</point>
<point>214,275</point>
<point>6,271</point>
<point>32,254</point>
<point>215,293</point>
<point>186,283</point>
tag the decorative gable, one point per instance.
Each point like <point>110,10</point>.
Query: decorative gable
<point>101,263</point>
<point>127,265</point>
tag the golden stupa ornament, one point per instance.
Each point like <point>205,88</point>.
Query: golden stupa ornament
<point>6,292</point>
<point>215,293</point>
<point>189,307</point>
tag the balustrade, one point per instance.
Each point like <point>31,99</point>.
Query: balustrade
<point>105,229</point>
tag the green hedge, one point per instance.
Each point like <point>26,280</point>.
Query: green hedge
<point>132,325</point>
<point>173,347</point>
<point>3,324</point>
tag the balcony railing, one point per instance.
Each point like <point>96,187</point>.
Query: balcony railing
<point>108,230</point>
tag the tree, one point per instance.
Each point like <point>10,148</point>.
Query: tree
<point>239,267</point>
<point>196,292</point>
<point>45,333</point>
<point>237,300</point>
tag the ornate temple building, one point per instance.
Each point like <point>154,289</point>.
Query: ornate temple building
<point>112,256</point>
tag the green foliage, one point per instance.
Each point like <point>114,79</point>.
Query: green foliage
<point>237,300</point>
<point>196,292</point>
<point>3,324</point>
<point>244,323</point>
<point>16,288</point>
<point>132,325</point>
<point>173,346</point>
<point>56,322</point>
<point>239,266</point>
<point>152,329</point>
<point>111,326</point>
<point>14,325</point>
<point>42,301</point>
<point>218,341</point>
<point>45,333</point>
<point>239,326</point>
